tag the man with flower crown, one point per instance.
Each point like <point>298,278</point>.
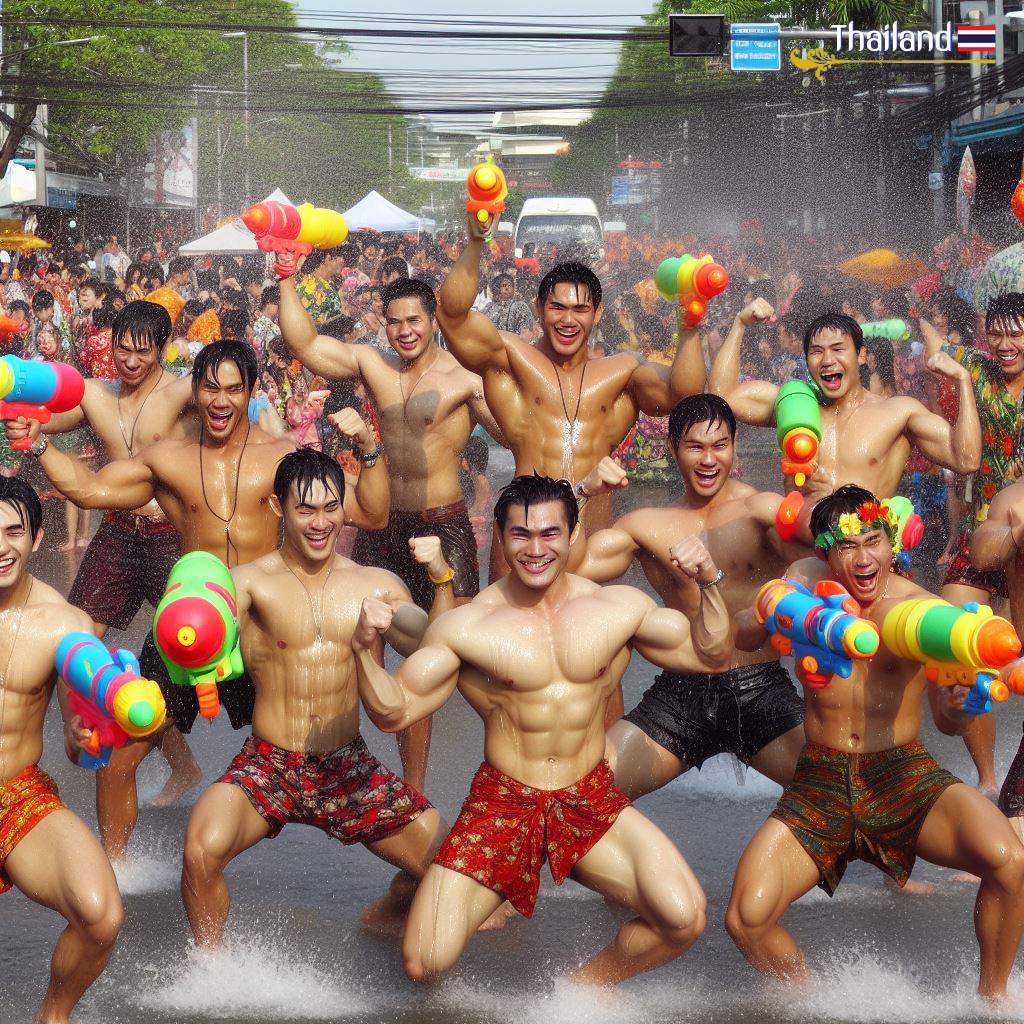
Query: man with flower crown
<point>865,788</point>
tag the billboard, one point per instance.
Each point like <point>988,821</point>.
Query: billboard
<point>170,175</point>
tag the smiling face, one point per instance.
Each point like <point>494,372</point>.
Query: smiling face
<point>537,546</point>
<point>312,520</point>
<point>567,317</point>
<point>223,401</point>
<point>409,327</point>
<point>1005,336</point>
<point>705,455</point>
<point>861,563</point>
<point>833,363</point>
<point>134,360</point>
<point>16,544</point>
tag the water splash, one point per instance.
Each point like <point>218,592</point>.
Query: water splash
<point>148,869</point>
<point>250,978</point>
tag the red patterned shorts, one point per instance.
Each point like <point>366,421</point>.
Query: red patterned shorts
<point>24,801</point>
<point>870,807</point>
<point>506,829</point>
<point>348,794</point>
<point>961,570</point>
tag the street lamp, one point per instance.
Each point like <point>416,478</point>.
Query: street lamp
<point>59,42</point>
<point>244,36</point>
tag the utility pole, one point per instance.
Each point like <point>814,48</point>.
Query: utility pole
<point>220,164</point>
<point>936,177</point>
<point>244,36</point>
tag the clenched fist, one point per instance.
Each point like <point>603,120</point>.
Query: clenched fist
<point>757,312</point>
<point>287,264</point>
<point>942,364</point>
<point>693,560</point>
<point>21,428</point>
<point>427,552</point>
<point>482,229</point>
<point>350,424</point>
<point>606,476</point>
<point>374,621</point>
<point>76,736</point>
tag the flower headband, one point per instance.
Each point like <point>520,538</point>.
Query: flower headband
<point>872,515</point>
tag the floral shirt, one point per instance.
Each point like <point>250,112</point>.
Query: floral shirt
<point>1002,420</point>
<point>264,330</point>
<point>320,298</point>
<point>97,355</point>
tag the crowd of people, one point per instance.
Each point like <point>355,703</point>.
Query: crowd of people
<point>325,433</point>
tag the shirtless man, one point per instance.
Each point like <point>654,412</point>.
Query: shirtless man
<point>306,761</point>
<point>865,788</point>
<point>215,491</point>
<point>560,409</point>
<point>752,710</point>
<point>865,439</point>
<point>131,555</point>
<point>45,850</point>
<point>427,404</point>
<point>537,655</point>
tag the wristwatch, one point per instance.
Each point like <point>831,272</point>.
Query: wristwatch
<point>713,583</point>
<point>39,446</point>
<point>582,497</point>
<point>369,458</point>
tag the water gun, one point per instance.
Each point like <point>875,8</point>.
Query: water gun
<point>823,630</point>
<point>279,227</point>
<point>798,429</point>
<point>487,191</point>
<point>196,627</point>
<point>37,390</point>
<point>787,514</point>
<point>694,281</point>
<point>957,646</point>
<point>909,532</point>
<point>11,328</point>
<point>106,691</point>
<point>892,330</point>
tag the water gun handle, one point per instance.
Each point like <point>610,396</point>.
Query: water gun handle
<point>788,514</point>
<point>12,410</point>
<point>105,734</point>
<point>209,700</point>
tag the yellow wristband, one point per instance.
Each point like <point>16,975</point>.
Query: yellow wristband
<point>446,578</point>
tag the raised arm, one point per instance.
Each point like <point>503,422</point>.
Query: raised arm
<point>608,554</point>
<point>957,447</point>
<point>666,638</point>
<point>753,401</point>
<point>471,337</point>
<point>367,502</point>
<point>933,341</point>
<point>998,539</point>
<point>327,357</point>
<point>123,484</point>
<point>687,374</point>
<point>421,685</point>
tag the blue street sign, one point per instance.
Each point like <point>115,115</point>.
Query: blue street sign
<point>755,47</point>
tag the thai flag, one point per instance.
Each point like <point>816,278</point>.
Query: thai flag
<point>975,39</point>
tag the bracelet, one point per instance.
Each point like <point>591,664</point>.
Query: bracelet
<point>369,458</point>
<point>582,497</point>
<point>713,583</point>
<point>446,578</point>
<point>40,446</point>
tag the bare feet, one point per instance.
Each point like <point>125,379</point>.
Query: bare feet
<point>180,782</point>
<point>386,917</point>
<point>499,918</point>
<point>911,888</point>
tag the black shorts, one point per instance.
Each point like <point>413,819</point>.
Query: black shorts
<point>389,549</point>
<point>237,697</point>
<point>1011,796</point>
<point>736,712</point>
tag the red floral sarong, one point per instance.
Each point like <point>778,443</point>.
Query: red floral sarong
<point>24,801</point>
<point>506,829</point>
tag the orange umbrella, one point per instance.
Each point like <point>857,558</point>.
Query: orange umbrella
<point>884,268</point>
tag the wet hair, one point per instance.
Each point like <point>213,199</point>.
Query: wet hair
<point>409,289</point>
<point>504,275</point>
<point>960,315</point>
<point>152,273</point>
<point>234,298</point>
<point>23,499</point>
<point>42,300</point>
<point>134,273</point>
<point>837,322</point>
<point>271,295</point>
<point>305,467</point>
<point>535,490</point>
<point>339,327</point>
<point>210,358</point>
<point>569,273</point>
<point>13,307</point>
<point>234,322</point>
<point>349,252</point>
<point>104,315</point>
<point>881,349</point>
<point>703,408</point>
<point>179,265</point>
<point>1007,307</point>
<point>92,284</point>
<point>848,498</point>
<point>393,265</point>
<point>147,322</point>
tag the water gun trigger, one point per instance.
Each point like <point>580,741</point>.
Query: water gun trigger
<point>92,744</point>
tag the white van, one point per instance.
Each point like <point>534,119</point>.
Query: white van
<point>559,222</point>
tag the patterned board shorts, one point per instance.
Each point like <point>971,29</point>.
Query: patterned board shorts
<point>698,715</point>
<point>505,829</point>
<point>348,794</point>
<point>389,549</point>
<point>1011,796</point>
<point>961,570</point>
<point>843,807</point>
<point>24,801</point>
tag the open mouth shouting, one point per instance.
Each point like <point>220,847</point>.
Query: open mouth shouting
<point>7,567</point>
<point>832,381</point>
<point>1008,358</point>
<point>865,581</point>
<point>319,541</point>
<point>707,477</point>
<point>219,419</point>
<point>567,333</point>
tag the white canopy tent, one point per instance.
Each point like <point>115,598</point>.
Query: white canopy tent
<point>231,239</point>
<point>375,212</point>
